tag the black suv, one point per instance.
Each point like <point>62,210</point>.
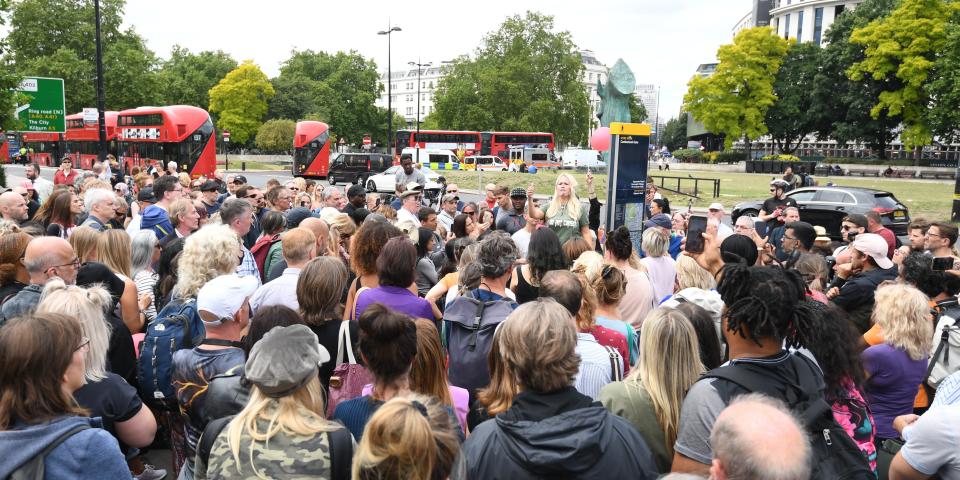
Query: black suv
<point>357,167</point>
<point>826,206</point>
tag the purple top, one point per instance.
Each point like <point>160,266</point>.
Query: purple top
<point>399,299</point>
<point>892,386</point>
<point>461,402</point>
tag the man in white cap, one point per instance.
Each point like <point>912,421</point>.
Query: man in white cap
<point>715,210</point>
<point>857,281</point>
<point>448,210</point>
<point>223,306</point>
<point>410,204</point>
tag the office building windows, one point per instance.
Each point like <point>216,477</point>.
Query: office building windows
<point>786,28</point>
<point>818,25</point>
<point>800,26</point>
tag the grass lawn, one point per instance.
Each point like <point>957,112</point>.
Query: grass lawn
<point>235,165</point>
<point>929,199</point>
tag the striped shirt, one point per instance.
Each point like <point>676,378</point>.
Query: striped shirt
<point>594,371</point>
<point>948,392</point>
<point>145,281</point>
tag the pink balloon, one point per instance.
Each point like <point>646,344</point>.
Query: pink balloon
<point>600,140</point>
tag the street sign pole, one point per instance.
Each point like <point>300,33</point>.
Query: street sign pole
<point>102,129</point>
<point>226,153</point>
<point>627,178</point>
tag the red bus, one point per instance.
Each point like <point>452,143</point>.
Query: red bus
<point>46,147</point>
<point>4,148</point>
<point>82,141</point>
<point>460,142</point>
<point>159,135</point>
<point>311,149</point>
<point>532,148</point>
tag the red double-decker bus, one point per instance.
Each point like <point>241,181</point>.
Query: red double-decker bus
<point>158,135</point>
<point>461,143</point>
<point>4,148</point>
<point>82,140</point>
<point>43,148</point>
<point>311,149</point>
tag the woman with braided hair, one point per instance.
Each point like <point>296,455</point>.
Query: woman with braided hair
<point>765,312</point>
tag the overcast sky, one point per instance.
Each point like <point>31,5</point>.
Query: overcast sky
<point>662,41</point>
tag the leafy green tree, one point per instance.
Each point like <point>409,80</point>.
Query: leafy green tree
<point>904,43</point>
<point>276,135</point>
<point>944,86</point>
<point>525,76</point>
<point>54,38</point>
<point>340,88</point>
<point>8,80</point>
<point>791,118</point>
<point>241,99</point>
<point>638,111</point>
<point>842,111</point>
<point>734,100</point>
<point>675,133</point>
<point>186,78</point>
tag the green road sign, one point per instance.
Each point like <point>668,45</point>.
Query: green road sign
<point>43,107</point>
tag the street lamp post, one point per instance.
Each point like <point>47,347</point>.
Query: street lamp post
<point>389,33</point>
<point>419,66</point>
<point>102,128</point>
<point>656,121</point>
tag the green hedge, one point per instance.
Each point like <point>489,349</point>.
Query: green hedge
<point>688,155</point>
<point>782,157</point>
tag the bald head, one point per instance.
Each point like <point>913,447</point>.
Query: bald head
<point>299,246</point>
<point>13,206</point>
<point>320,230</point>
<point>564,287</point>
<point>756,437</point>
<point>47,257</point>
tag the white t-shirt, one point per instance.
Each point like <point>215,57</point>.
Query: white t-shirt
<point>522,239</point>
<point>663,275</point>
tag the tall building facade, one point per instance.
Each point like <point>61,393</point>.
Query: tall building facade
<point>405,91</point>
<point>802,20</point>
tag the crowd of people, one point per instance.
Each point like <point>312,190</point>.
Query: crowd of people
<point>298,330</point>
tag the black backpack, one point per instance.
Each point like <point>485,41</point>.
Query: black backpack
<point>834,455</point>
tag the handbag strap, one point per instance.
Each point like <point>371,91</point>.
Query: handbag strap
<point>344,329</point>
<point>616,373</point>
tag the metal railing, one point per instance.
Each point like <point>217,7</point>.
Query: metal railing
<point>712,184</point>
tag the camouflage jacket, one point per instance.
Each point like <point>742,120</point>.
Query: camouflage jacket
<point>284,455</point>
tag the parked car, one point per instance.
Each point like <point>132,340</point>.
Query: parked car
<point>826,206</point>
<point>386,182</point>
<point>484,163</point>
<point>357,167</point>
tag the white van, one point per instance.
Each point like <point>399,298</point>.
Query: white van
<point>581,158</point>
<point>434,159</point>
<point>484,163</point>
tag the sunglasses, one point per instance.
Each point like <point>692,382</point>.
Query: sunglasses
<point>467,213</point>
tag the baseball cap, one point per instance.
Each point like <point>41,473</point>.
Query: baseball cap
<point>284,360</point>
<point>449,198</point>
<point>356,191</point>
<point>518,192</point>
<point>297,215</point>
<point>413,188</point>
<point>659,220</point>
<point>209,186</point>
<point>239,180</point>
<point>715,206</point>
<point>223,296</point>
<point>873,246</point>
<point>146,195</point>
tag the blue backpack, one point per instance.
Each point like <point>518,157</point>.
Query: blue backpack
<point>177,326</point>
